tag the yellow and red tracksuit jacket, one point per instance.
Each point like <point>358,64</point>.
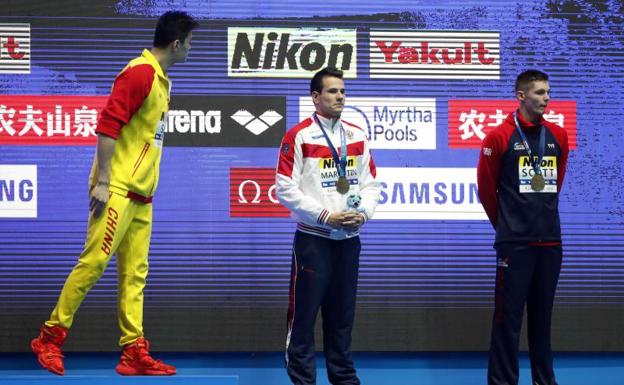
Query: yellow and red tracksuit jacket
<point>136,117</point>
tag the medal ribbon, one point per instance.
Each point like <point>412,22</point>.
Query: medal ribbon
<point>341,162</point>
<point>542,146</point>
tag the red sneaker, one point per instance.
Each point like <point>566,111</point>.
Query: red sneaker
<point>136,361</point>
<point>47,347</point>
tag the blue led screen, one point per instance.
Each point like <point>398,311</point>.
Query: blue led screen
<point>425,79</point>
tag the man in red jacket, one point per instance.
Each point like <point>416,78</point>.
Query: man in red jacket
<point>520,174</point>
<point>326,177</point>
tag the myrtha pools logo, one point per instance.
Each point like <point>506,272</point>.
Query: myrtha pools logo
<point>390,123</point>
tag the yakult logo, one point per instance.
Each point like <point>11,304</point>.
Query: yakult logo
<point>434,55</point>
<point>290,52</point>
<point>252,193</point>
<point>14,48</point>
<point>426,55</point>
<point>390,123</point>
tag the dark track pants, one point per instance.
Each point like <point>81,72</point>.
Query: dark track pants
<point>324,275</point>
<point>525,274</point>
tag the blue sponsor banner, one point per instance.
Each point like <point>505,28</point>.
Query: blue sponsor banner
<point>415,256</point>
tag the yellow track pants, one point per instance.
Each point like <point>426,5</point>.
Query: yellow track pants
<point>124,228</point>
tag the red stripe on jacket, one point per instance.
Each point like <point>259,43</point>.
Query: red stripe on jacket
<point>286,160</point>
<point>130,89</point>
<point>322,151</point>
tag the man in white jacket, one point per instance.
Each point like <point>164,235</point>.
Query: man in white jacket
<point>326,178</point>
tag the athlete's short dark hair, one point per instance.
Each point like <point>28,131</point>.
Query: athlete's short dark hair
<point>316,84</point>
<point>527,77</point>
<point>172,26</point>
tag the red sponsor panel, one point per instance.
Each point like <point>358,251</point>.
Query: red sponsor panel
<point>471,120</point>
<point>252,193</point>
<point>59,120</point>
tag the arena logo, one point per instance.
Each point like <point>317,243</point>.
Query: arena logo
<point>226,121</point>
<point>469,121</point>
<point>194,121</point>
<point>209,122</point>
<point>290,52</point>
<point>435,54</point>
<point>14,48</point>
<point>257,125</point>
<point>252,193</point>
<point>391,123</point>
<point>18,191</point>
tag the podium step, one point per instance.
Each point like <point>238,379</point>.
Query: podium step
<point>110,377</point>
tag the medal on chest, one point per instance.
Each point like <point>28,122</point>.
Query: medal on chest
<point>538,182</point>
<point>342,184</point>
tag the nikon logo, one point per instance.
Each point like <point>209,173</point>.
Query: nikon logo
<point>329,163</point>
<point>290,52</point>
<point>546,162</point>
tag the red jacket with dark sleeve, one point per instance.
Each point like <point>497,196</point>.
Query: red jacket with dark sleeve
<point>517,212</point>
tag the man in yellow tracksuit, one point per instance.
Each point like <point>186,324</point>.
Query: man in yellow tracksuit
<point>122,182</point>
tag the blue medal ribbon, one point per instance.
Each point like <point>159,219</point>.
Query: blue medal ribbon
<point>340,161</point>
<point>542,146</point>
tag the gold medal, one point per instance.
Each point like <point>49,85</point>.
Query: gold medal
<point>342,185</point>
<point>538,182</point>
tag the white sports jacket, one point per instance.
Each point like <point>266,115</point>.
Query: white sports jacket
<point>306,175</point>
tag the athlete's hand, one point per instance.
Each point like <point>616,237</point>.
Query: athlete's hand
<point>348,220</point>
<point>99,198</point>
<point>335,220</point>
<point>352,220</point>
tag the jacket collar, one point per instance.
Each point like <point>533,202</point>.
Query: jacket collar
<point>525,124</point>
<point>151,59</point>
<point>328,123</point>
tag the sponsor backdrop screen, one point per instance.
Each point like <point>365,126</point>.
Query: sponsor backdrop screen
<point>426,80</point>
